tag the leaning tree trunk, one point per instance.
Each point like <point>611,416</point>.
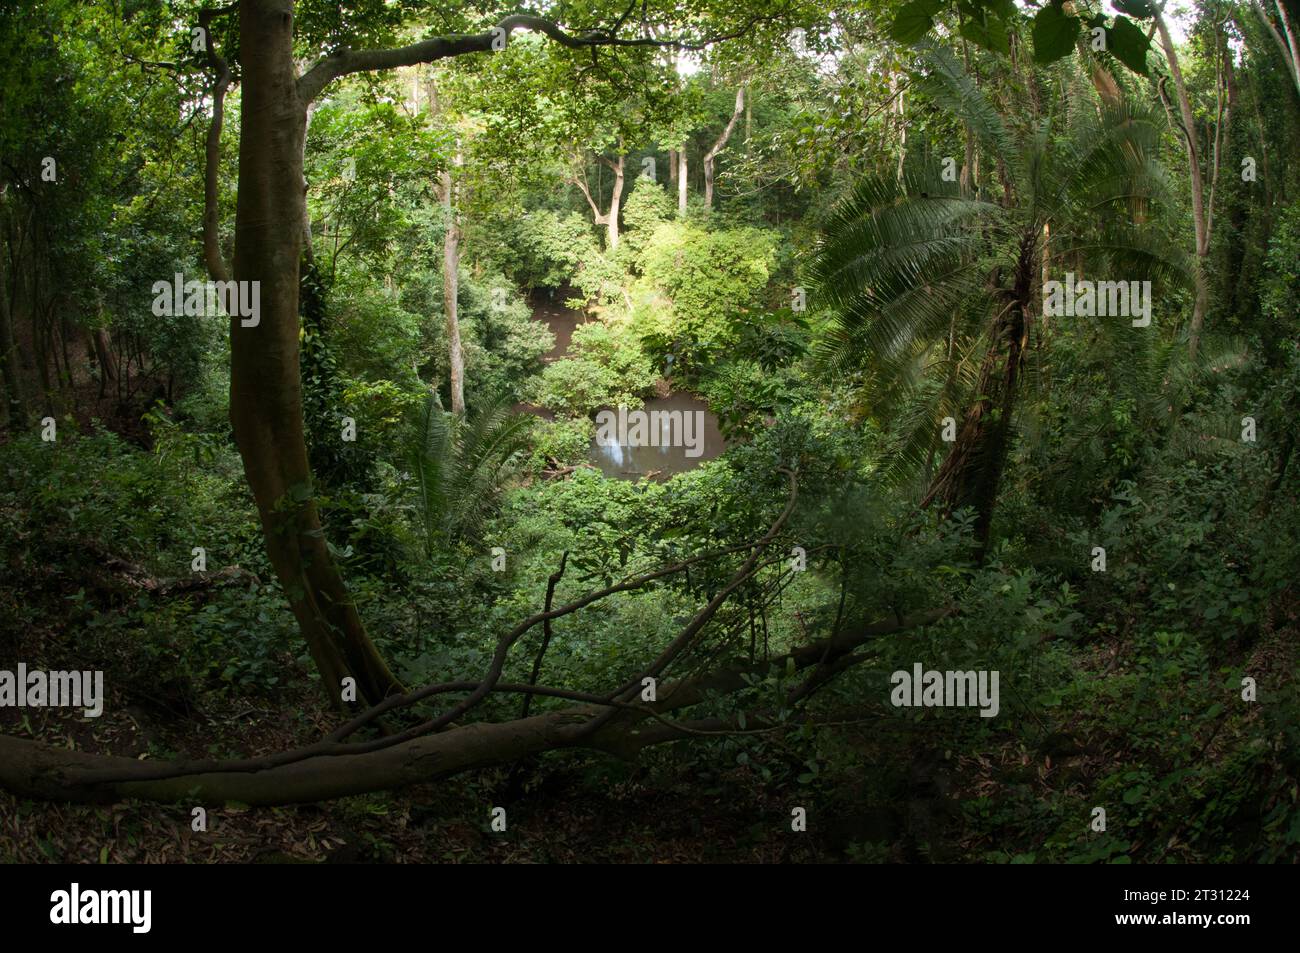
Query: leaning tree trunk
<point>265,388</point>
<point>972,472</point>
<point>33,769</point>
<point>718,146</point>
<point>1200,223</point>
<point>1288,47</point>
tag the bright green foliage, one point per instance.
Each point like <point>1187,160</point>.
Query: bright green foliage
<point>606,368</point>
<point>702,283</point>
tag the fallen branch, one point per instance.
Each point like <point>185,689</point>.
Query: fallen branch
<point>35,770</point>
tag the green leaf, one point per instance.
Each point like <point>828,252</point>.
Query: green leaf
<point>1141,9</point>
<point>1054,34</point>
<point>1135,794</point>
<point>991,36</point>
<point>914,20</point>
<point>1128,44</point>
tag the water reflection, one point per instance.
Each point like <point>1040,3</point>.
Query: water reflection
<point>654,458</point>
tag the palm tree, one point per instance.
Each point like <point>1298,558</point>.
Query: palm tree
<point>462,464</point>
<point>934,288</point>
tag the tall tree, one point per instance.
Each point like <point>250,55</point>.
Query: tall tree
<point>719,144</point>
<point>451,238</point>
<point>266,390</point>
<point>920,271</point>
<point>1200,218</point>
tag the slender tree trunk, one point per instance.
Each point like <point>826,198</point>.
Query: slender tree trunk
<point>1287,45</point>
<point>682,173</point>
<point>69,381</point>
<point>451,295</point>
<point>968,165</point>
<point>265,388</point>
<point>615,199</point>
<point>40,333</point>
<point>718,146</point>
<point>1199,220</point>
<point>902,135</point>
<point>13,386</point>
<point>1225,102</point>
<point>450,269</point>
<point>749,117</point>
<point>1045,274</point>
<point>971,474</point>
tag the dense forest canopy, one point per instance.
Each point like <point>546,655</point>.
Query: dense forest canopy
<point>771,429</point>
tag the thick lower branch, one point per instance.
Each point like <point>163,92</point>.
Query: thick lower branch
<point>32,769</point>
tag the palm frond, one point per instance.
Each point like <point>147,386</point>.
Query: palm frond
<point>461,466</point>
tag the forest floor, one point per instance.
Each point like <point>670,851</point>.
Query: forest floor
<point>571,807</point>
<point>563,814</point>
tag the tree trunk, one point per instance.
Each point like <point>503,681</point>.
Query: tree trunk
<point>32,769</point>
<point>902,136</point>
<point>451,295</point>
<point>615,199</point>
<point>749,118</point>
<point>104,353</point>
<point>1045,272</point>
<point>681,180</point>
<point>1288,47</point>
<point>971,474</point>
<point>608,219</point>
<point>13,385</point>
<point>265,388</point>
<point>450,267</point>
<point>1199,222</point>
<point>718,146</point>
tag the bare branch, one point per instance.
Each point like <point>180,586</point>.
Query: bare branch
<point>551,583</point>
<point>32,769</point>
<point>347,61</point>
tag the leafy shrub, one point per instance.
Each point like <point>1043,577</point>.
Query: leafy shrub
<point>710,280</point>
<point>565,440</point>
<point>606,367</point>
<point>548,247</point>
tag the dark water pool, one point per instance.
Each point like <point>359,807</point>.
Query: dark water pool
<point>666,443</point>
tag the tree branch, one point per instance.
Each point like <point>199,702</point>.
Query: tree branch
<point>33,769</point>
<point>212,256</point>
<point>347,61</point>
